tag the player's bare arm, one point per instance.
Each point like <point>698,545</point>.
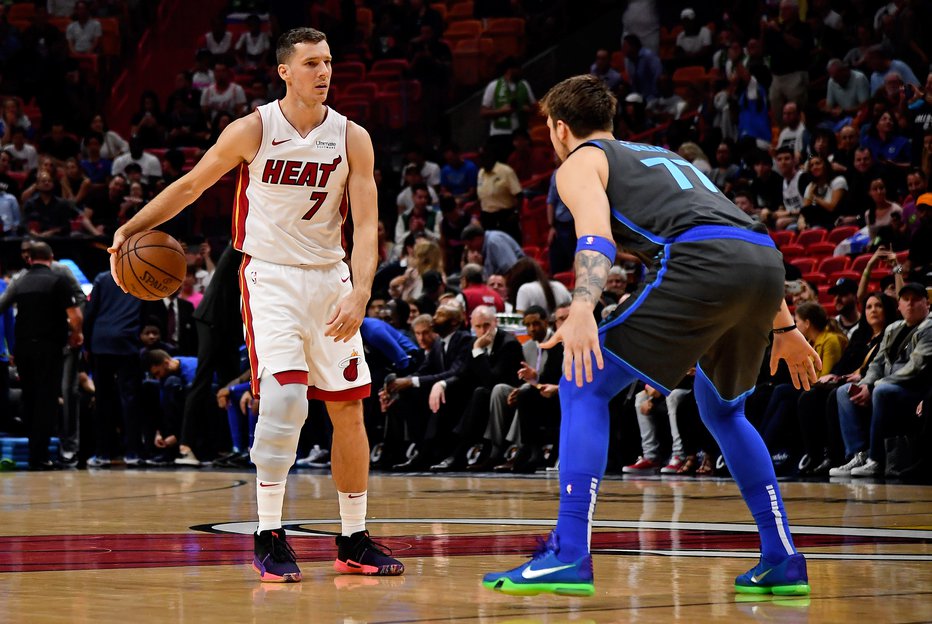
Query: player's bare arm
<point>238,143</point>
<point>581,182</point>
<point>363,201</point>
<point>792,346</point>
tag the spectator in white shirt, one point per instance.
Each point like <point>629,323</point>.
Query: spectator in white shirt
<point>254,45</point>
<point>25,157</point>
<point>224,96</point>
<point>83,34</point>
<point>695,40</point>
<point>150,165</point>
<point>794,134</point>
<point>219,41</point>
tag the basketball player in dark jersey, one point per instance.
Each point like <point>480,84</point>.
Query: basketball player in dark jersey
<point>711,299</point>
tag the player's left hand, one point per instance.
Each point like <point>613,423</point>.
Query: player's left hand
<point>114,250</point>
<point>580,337</point>
<point>800,357</point>
<point>347,318</point>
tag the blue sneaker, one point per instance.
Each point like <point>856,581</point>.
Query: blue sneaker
<point>788,578</point>
<point>544,573</point>
<point>274,559</point>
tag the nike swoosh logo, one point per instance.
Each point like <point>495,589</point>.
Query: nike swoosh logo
<point>265,484</point>
<point>758,579</point>
<point>357,496</point>
<point>528,573</point>
<point>274,142</point>
<point>344,280</point>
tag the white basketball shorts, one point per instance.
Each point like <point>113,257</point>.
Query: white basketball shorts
<point>285,311</point>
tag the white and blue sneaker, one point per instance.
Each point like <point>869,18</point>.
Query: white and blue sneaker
<point>544,573</point>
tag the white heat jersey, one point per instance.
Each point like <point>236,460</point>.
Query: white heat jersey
<point>290,200</point>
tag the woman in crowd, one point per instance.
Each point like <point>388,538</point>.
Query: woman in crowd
<point>822,200</point>
<point>817,410</point>
<point>528,286</point>
<point>829,342</point>
<point>113,144</point>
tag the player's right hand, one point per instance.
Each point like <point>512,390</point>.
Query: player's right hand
<point>800,357</point>
<point>118,239</point>
<point>580,337</point>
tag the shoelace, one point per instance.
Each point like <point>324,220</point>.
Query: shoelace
<point>543,547</point>
<point>282,550</point>
<point>378,547</point>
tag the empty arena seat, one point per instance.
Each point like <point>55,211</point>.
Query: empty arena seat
<point>459,11</point>
<point>792,251</point>
<point>860,263</point>
<point>841,232</point>
<point>833,264</point>
<point>349,71</point>
<point>807,237</point>
<point>366,90</point>
<point>567,278</point>
<point>816,278</point>
<point>820,250</point>
<point>398,66</point>
<point>804,264</point>
<point>781,237</point>
<point>508,35</point>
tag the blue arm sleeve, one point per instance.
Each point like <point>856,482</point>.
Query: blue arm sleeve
<point>388,341</point>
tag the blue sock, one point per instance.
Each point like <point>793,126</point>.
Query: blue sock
<point>584,433</point>
<point>749,462</point>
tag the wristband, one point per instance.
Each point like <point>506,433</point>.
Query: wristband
<point>783,330</point>
<point>599,244</point>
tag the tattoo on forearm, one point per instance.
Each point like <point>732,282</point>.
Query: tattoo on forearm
<point>591,274</point>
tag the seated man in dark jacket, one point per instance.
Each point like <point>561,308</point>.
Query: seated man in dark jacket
<point>495,359</point>
<point>405,399</point>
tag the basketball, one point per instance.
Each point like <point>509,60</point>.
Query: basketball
<point>151,265</point>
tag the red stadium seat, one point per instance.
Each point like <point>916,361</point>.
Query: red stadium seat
<point>816,278</point>
<point>357,110</point>
<point>349,71</point>
<point>792,251</point>
<point>820,250</point>
<point>567,278</point>
<point>780,237</point>
<point>459,11</point>
<point>860,263</point>
<point>902,256</point>
<point>834,264</point>
<point>807,237</point>
<point>804,264</point>
<point>824,295</point>
<point>531,250</point>
<point>851,275</point>
<point>360,90</point>
<point>399,66</point>
<point>829,307</point>
<point>508,35</point>
<point>841,232</point>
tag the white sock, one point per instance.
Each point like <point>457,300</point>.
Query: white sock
<point>353,512</point>
<point>270,496</point>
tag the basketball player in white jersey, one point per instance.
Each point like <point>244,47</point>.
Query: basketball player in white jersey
<point>298,160</point>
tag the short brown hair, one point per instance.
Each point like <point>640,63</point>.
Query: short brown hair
<point>288,40</point>
<point>583,103</point>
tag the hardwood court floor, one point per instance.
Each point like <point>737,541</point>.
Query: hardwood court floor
<point>166,546</point>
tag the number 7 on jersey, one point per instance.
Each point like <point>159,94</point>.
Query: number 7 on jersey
<point>318,198</point>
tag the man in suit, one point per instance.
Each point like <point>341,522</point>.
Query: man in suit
<point>176,317</point>
<point>496,358</point>
<point>406,399</point>
<point>540,370</point>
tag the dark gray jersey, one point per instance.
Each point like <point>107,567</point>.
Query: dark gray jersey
<point>656,195</point>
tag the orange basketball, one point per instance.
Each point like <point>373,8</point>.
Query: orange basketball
<point>151,265</point>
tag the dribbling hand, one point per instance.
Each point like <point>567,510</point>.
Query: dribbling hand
<point>580,337</point>
<point>114,250</point>
<point>800,358</point>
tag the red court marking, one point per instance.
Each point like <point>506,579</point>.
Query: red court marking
<point>121,551</point>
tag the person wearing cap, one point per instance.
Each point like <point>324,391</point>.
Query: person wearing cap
<point>890,389</point>
<point>846,304</point>
<point>917,185</point>
<point>694,43</point>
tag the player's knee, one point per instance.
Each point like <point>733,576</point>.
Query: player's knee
<point>346,416</point>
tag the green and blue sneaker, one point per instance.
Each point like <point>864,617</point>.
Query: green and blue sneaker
<point>788,578</point>
<point>544,573</point>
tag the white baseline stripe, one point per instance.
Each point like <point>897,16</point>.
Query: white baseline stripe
<point>247,527</point>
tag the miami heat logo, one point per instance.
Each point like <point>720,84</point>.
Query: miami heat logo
<point>350,367</point>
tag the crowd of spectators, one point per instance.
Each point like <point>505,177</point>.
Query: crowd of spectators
<point>816,124</point>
